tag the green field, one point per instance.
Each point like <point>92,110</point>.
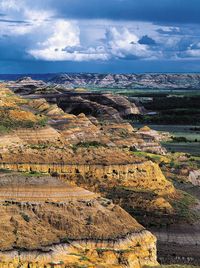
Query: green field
<point>148,92</point>
<point>190,147</point>
<point>176,130</point>
<point>177,112</point>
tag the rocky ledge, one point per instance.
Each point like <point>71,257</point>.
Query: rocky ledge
<point>75,230</point>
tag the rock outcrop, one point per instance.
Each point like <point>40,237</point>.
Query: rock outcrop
<point>52,123</point>
<point>87,152</point>
<point>146,175</point>
<point>26,85</point>
<point>194,177</point>
<point>45,222</point>
<point>147,132</point>
<point>105,106</point>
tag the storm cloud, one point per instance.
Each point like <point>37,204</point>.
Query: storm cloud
<point>111,36</point>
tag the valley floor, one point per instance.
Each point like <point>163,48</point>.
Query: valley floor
<point>178,246</point>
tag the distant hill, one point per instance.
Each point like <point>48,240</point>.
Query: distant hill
<point>143,81</point>
<point>14,77</point>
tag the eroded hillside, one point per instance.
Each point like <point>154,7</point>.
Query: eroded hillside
<point>45,221</point>
<point>95,155</point>
<point>37,137</point>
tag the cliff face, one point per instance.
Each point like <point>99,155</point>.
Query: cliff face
<point>139,188</point>
<point>143,176</point>
<point>135,251</point>
<point>45,222</point>
<point>194,177</point>
<point>105,106</point>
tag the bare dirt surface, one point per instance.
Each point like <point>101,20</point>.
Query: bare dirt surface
<point>179,244</point>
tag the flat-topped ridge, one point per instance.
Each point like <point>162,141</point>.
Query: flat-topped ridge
<point>22,188</point>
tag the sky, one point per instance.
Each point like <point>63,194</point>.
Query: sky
<point>105,36</point>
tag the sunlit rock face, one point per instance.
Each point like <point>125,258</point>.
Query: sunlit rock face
<point>24,188</point>
<point>194,177</point>
<point>94,155</point>
<point>45,221</point>
<point>145,175</point>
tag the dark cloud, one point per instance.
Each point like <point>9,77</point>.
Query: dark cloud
<point>168,11</point>
<point>14,21</point>
<point>146,40</point>
<point>167,30</point>
<point>13,49</point>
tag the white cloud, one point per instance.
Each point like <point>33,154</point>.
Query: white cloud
<point>64,44</point>
<point>64,34</point>
<point>11,4</point>
<point>20,19</point>
<point>193,53</point>
<point>59,55</point>
<point>123,43</point>
<point>44,36</point>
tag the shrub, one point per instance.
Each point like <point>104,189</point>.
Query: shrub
<point>179,139</point>
<point>25,217</point>
<point>88,144</point>
<point>39,146</point>
<point>43,122</point>
<point>3,129</point>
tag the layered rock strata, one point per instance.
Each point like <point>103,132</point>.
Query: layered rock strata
<point>36,121</point>
<point>68,227</point>
<point>95,155</point>
<point>145,175</point>
<point>106,106</point>
<point>159,81</point>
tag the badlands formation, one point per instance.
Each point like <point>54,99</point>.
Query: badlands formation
<point>47,222</point>
<point>129,81</point>
<point>152,81</point>
<point>53,220</point>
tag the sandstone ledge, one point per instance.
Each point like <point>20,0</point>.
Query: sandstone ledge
<point>46,230</point>
<point>146,175</point>
<point>136,250</point>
